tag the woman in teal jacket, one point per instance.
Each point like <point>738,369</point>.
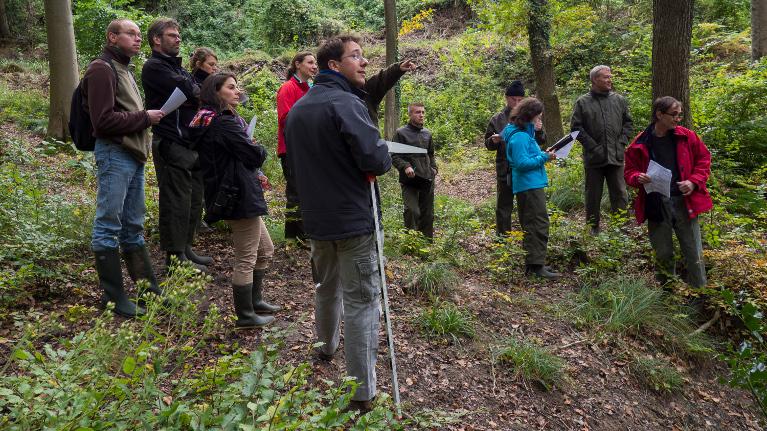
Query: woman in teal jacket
<point>526,161</point>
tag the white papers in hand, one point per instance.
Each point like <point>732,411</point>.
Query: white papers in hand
<point>174,101</point>
<point>661,179</point>
<point>563,152</point>
<point>396,147</point>
<point>252,127</point>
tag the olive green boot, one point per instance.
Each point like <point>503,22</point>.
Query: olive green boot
<point>111,282</point>
<point>140,268</point>
<point>259,305</point>
<point>243,308</point>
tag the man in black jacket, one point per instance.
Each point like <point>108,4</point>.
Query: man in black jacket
<point>417,172</point>
<point>175,161</point>
<point>504,204</point>
<point>337,149</point>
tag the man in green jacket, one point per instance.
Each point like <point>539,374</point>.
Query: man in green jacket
<point>417,172</point>
<point>602,118</point>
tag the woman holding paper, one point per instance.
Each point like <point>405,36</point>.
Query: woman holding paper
<point>665,145</point>
<point>233,192</point>
<point>302,68</point>
<point>526,161</point>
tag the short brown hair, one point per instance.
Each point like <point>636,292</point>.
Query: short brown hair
<point>298,58</point>
<point>527,109</point>
<point>663,104</point>
<point>333,49</point>
<point>116,26</point>
<point>199,55</point>
<point>210,88</point>
<point>158,27</point>
<point>415,105</point>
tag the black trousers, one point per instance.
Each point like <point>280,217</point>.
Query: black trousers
<point>419,207</point>
<point>616,187</point>
<point>504,207</point>
<point>181,189</point>
<point>294,227</point>
<point>534,219</point>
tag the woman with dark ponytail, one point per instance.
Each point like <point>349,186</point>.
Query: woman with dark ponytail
<point>302,68</point>
<point>203,62</point>
<point>230,163</point>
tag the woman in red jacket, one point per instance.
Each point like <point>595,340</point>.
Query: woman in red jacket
<point>302,68</point>
<point>682,152</point>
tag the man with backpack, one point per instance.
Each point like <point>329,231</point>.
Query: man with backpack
<point>175,160</point>
<point>120,125</point>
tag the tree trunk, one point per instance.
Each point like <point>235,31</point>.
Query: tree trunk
<point>758,29</point>
<point>671,35</point>
<point>5,31</point>
<point>62,60</point>
<point>391,103</point>
<point>538,27</point>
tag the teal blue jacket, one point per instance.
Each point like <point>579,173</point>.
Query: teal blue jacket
<point>526,159</point>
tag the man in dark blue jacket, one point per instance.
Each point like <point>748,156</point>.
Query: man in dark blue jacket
<point>178,171</point>
<point>336,148</point>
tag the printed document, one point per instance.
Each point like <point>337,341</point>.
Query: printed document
<point>661,179</point>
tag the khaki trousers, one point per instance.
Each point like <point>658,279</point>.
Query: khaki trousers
<point>253,248</point>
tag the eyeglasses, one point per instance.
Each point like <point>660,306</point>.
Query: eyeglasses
<point>132,34</point>
<point>173,35</point>
<point>677,114</point>
<point>356,57</point>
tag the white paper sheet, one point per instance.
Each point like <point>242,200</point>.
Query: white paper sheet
<point>396,147</point>
<point>661,179</point>
<point>174,101</point>
<point>252,126</point>
<point>563,152</point>
<point>564,141</point>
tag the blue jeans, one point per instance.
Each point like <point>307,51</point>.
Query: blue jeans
<point>120,203</point>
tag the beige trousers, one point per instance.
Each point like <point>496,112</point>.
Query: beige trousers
<point>253,248</point>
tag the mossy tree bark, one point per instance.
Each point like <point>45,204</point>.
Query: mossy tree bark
<point>62,59</point>
<point>758,29</point>
<point>391,103</point>
<point>538,28</point>
<point>671,41</point>
<point>5,31</point>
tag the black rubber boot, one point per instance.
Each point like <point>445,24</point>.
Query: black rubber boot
<point>111,281</point>
<point>259,305</point>
<point>542,271</point>
<point>181,256</point>
<point>194,257</point>
<point>243,307</point>
<point>140,268</point>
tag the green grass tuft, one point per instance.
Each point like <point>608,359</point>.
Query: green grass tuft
<point>446,321</point>
<point>432,279</point>
<point>532,362</point>
<point>657,375</point>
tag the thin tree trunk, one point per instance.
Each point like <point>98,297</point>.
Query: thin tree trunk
<point>671,36</point>
<point>538,28</point>
<point>5,31</point>
<point>62,59</point>
<point>391,103</point>
<point>758,29</point>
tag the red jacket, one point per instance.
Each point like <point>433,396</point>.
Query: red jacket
<point>693,159</point>
<point>287,96</point>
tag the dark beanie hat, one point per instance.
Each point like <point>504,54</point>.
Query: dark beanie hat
<point>515,89</point>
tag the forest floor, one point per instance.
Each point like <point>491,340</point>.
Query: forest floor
<point>460,379</point>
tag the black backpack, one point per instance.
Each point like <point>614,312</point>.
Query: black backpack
<point>80,127</point>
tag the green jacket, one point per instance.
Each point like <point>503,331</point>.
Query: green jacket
<point>377,86</point>
<point>605,128</point>
<point>422,164</point>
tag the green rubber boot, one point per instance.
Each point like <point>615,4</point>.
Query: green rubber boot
<point>243,308</point>
<point>259,305</point>
<point>140,268</point>
<point>111,281</point>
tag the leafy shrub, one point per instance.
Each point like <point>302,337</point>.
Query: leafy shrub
<point>532,362</point>
<point>448,322</point>
<point>91,18</point>
<point>507,257</point>
<point>262,87</point>
<point>301,23</point>
<point>432,279</point>
<point>24,19</point>
<point>137,375</point>
<point>656,374</point>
